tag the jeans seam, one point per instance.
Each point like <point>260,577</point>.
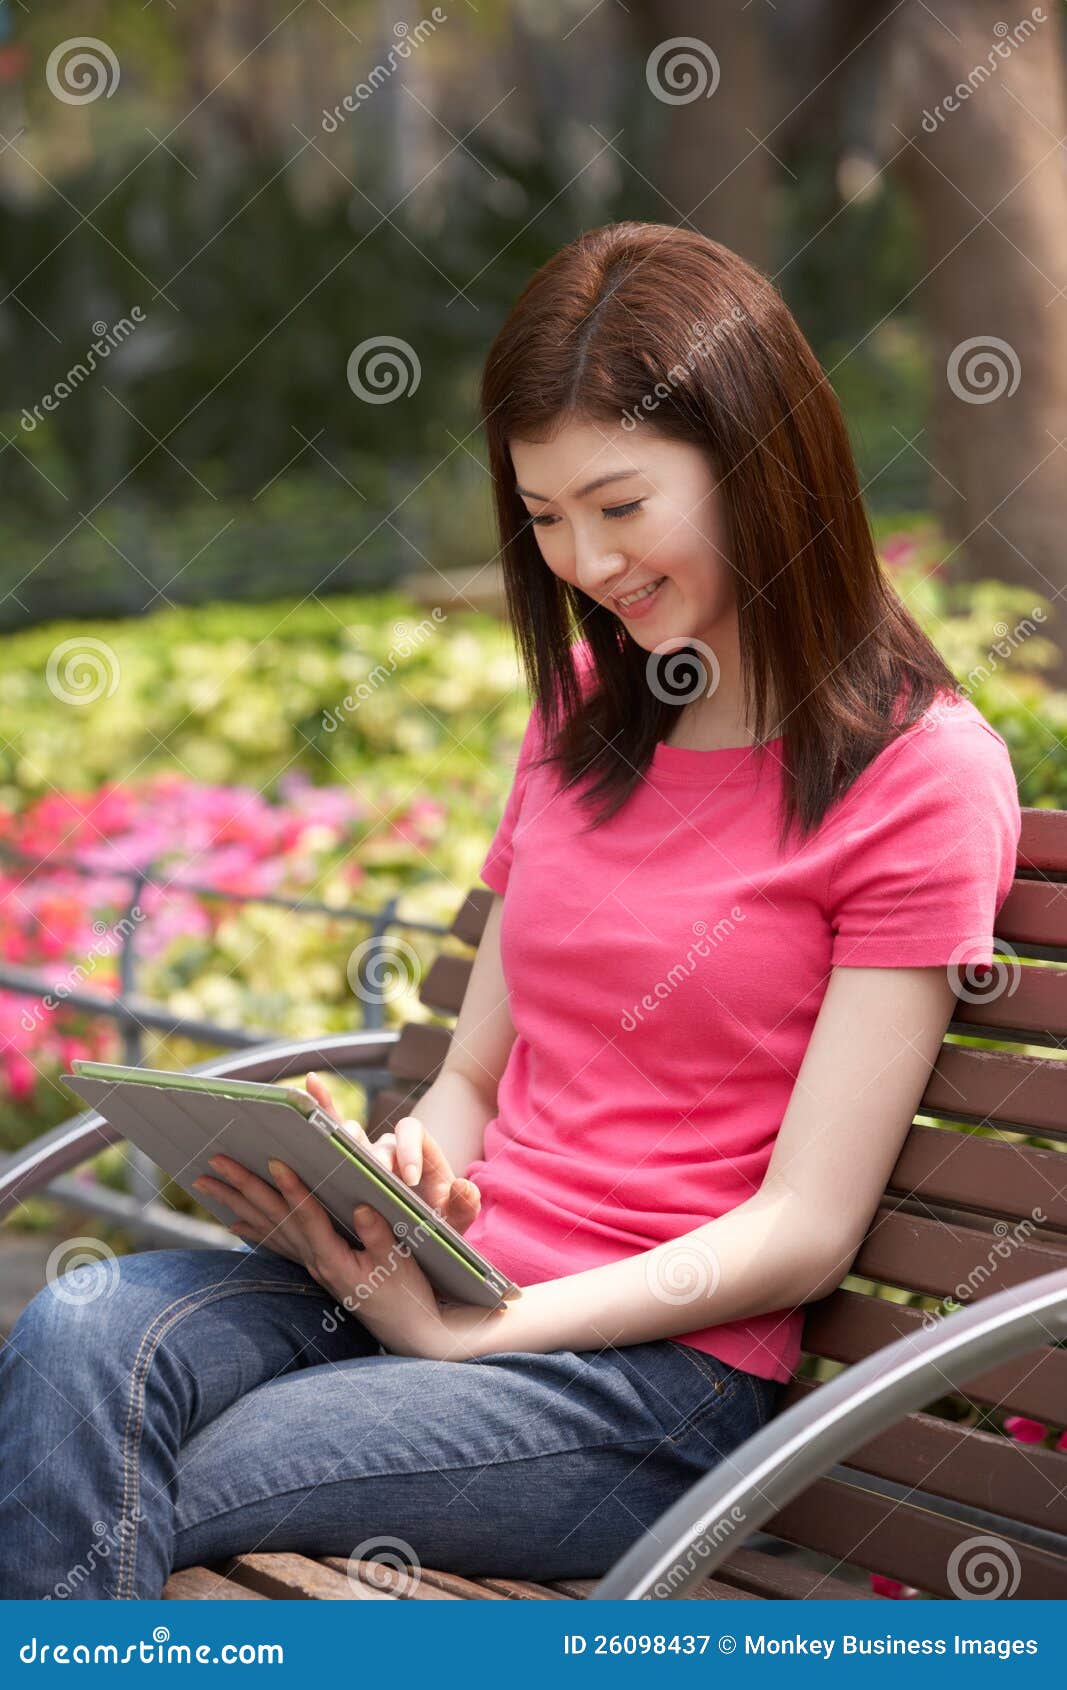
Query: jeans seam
<point>701,1362</point>
<point>135,1410</point>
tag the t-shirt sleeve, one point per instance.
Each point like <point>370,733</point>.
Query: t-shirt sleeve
<point>496,866</point>
<point>929,851</point>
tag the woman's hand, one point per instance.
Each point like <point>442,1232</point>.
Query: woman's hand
<point>415,1157</point>
<point>382,1283</point>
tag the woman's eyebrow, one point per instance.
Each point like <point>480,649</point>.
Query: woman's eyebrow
<point>591,487</point>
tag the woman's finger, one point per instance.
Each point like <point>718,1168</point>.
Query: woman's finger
<point>409,1148</point>
<point>319,1090</point>
<point>383,1150</point>
<point>233,1200</point>
<point>464,1202</point>
<point>314,1223</point>
<point>258,1192</point>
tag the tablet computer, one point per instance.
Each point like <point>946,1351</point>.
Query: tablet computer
<point>180,1120</point>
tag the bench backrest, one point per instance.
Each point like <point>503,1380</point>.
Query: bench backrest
<point>976,1202</point>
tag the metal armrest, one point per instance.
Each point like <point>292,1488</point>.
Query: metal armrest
<point>752,1484</point>
<point>74,1141</point>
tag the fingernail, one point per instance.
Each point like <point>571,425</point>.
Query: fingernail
<point>275,1167</point>
<point>410,1171</point>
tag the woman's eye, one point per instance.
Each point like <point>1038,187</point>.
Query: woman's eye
<point>623,510</point>
<point>542,521</point>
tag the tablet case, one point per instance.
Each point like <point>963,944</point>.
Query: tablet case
<point>164,1122</point>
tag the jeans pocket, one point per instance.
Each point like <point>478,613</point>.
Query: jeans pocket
<point>687,1386</point>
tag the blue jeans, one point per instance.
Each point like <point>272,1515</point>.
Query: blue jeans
<point>203,1403</point>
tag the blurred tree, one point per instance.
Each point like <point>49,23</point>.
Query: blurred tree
<point>985,169</point>
<point>708,66</point>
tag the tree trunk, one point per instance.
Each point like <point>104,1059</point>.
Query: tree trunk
<point>712,170</point>
<point>987,181</point>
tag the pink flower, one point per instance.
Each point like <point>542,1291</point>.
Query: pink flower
<point>1025,1431</point>
<point>21,1076</point>
<point>899,551</point>
<point>893,1588</point>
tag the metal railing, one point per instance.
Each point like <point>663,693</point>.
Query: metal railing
<point>142,1211</point>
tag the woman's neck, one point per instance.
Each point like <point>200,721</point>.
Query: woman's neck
<point>708,725</point>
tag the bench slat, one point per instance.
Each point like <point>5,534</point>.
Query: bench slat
<point>917,1254</point>
<point>1004,1180</point>
<point>908,1541</point>
<point>200,1584</point>
<point>1032,1011</point>
<point>445,984</point>
<point>778,1579</point>
<point>430,1584</point>
<point>708,1590</point>
<point>1034,914</point>
<point>419,1051</point>
<point>964,1465</point>
<point>1043,840</point>
<point>284,1575</point>
<point>1022,1093</point>
<point>472,915</point>
<point>847,1326</point>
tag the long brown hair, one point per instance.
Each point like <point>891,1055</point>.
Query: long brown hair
<point>662,325</point>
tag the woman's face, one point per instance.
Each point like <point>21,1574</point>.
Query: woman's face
<point>616,511</point>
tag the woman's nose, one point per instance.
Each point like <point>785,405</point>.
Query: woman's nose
<point>599,574</point>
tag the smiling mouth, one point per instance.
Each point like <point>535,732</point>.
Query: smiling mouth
<point>641,593</point>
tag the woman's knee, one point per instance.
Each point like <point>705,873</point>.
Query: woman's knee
<point>100,1303</point>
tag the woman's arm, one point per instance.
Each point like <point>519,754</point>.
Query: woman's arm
<point>460,1103</point>
<point>866,1067</point>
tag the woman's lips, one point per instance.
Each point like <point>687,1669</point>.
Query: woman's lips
<point>640,607</point>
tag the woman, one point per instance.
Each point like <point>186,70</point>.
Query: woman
<point>713,981</point>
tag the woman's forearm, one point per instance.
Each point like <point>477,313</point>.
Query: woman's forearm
<point>455,1112</point>
<point>763,1256</point>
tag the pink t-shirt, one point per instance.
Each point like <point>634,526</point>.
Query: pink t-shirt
<point>665,970</point>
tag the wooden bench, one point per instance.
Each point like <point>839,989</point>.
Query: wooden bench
<point>886,1466</point>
